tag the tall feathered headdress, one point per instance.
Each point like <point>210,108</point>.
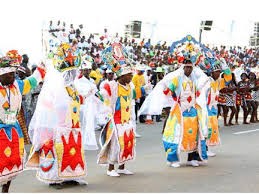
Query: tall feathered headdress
<point>116,59</point>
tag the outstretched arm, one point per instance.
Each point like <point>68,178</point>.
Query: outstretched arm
<point>31,82</point>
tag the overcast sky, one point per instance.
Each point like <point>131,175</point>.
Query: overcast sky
<point>22,21</point>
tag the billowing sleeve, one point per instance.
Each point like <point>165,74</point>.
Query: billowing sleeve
<point>158,98</point>
<point>201,106</point>
<point>174,84</point>
<point>31,82</point>
<point>105,94</point>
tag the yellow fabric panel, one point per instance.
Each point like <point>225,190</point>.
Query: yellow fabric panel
<point>222,83</point>
<point>124,92</point>
<point>173,120</point>
<point>21,147</point>
<point>125,109</point>
<point>26,86</point>
<point>213,125</point>
<point>215,85</point>
<point>97,75</point>
<point>125,103</point>
<point>175,81</point>
<point>59,148</point>
<point>138,81</point>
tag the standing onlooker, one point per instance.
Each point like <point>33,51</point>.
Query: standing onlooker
<point>156,77</point>
<point>254,90</point>
<point>139,81</point>
<point>72,33</point>
<point>243,86</point>
<point>222,108</point>
<point>230,99</point>
<point>33,98</point>
<point>23,116</point>
<point>25,64</point>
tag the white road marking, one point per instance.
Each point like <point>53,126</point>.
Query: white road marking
<point>248,131</point>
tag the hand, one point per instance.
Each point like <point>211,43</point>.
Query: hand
<point>42,65</point>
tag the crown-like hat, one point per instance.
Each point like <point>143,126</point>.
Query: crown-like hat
<point>116,58</point>
<point>10,62</point>
<point>66,58</point>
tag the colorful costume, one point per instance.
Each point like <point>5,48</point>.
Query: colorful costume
<point>118,137</point>
<point>57,152</point>
<point>11,136</point>
<point>186,126</point>
<point>91,111</point>
<point>212,101</point>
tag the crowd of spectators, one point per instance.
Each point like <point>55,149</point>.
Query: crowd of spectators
<point>142,50</point>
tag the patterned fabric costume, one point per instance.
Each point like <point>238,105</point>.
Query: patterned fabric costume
<point>186,127</point>
<point>212,100</point>
<point>117,139</point>
<point>57,152</point>
<point>186,121</point>
<point>22,122</point>
<point>11,136</point>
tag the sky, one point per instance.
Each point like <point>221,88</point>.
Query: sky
<point>169,20</point>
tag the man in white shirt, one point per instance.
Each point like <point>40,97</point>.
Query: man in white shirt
<point>147,76</point>
<point>87,88</point>
<point>110,78</point>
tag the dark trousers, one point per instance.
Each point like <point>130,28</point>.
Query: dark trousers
<point>137,107</point>
<point>158,117</point>
<point>193,156</point>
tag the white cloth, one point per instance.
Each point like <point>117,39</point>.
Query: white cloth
<point>157,100</point>
<point>148,87</point>
<point>88,111</point>
<point>52,122</point>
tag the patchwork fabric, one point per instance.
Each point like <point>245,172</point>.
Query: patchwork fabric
<point>122,106</point>
<point>47,156</point>
<point>203,151</point>
<point>62,158</point>
<point>171,150</point>
<point>105,139</point>
<point>70,155</point>
<point>106,133</point>
<point>213,135</point>
<point>190,131</point>
<point>126,139</point>
<point>172,125</point>
<point>11,151</point>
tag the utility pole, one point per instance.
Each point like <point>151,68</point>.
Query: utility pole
<point>200,33</point>
<point>205,25</point>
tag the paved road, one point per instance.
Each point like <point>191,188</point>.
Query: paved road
<point>234,169</point>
